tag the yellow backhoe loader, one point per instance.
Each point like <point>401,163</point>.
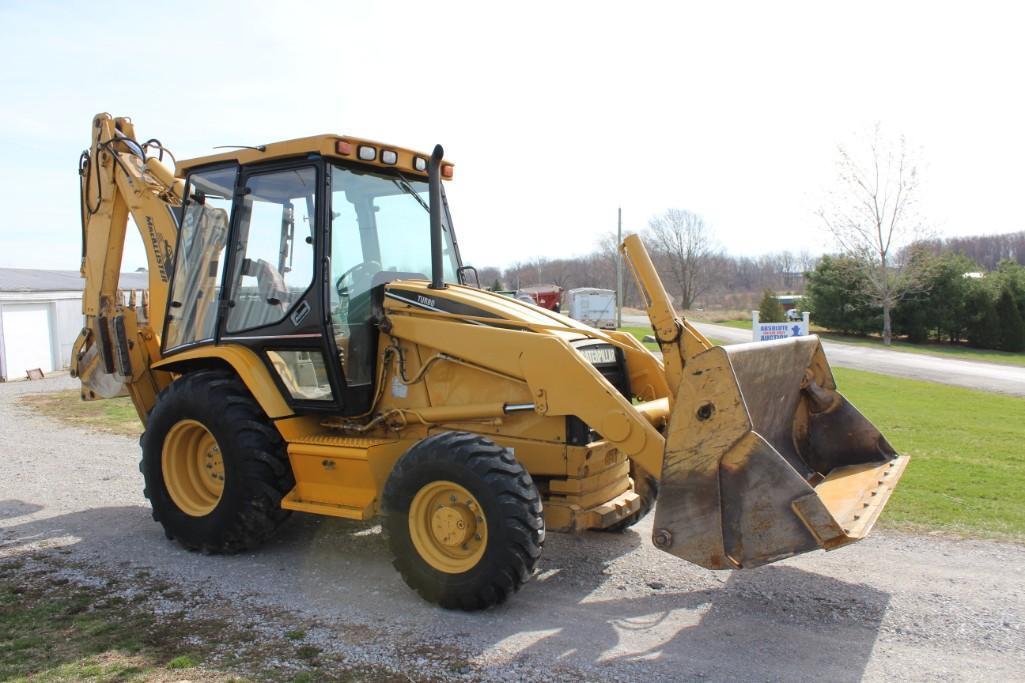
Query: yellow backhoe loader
<point>311,341</point>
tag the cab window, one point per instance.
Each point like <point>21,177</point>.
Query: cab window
<point>199,259</point>
<point>274,264</point>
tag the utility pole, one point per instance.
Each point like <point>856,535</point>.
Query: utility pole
<point>619,272</point>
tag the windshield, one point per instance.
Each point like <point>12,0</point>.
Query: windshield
<point>380,230</point>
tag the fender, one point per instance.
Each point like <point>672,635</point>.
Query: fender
<point>247,365</point>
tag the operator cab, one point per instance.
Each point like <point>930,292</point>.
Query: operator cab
<point>288,255</point>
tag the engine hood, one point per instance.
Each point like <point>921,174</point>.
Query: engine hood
<point>478,303</point>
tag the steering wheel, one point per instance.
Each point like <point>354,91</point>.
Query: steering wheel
<point>359,272</point>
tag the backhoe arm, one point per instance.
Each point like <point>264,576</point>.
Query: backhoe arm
<point>115,349</point>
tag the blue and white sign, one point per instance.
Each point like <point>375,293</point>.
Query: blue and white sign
<point>771,331</point>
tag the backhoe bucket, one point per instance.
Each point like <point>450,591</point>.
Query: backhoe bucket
<point>765,459</point>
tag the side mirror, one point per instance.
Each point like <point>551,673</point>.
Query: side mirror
<point>464,280</point>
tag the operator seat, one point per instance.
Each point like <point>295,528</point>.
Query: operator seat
<point>271,298</point>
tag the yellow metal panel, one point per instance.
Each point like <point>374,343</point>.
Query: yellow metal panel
<point>555,372</point>
<point>298,427</point>
<point>325,145</point>
<point>569,517</point>
<point>250,369</point>
<point>595,457</point>
<point>578,486</point>
<point>292,502</point>
<point>605,493</point>
<point>540,458</point>
<point>339,475</point>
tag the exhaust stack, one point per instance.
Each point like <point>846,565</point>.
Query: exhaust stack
<point>434,191</point>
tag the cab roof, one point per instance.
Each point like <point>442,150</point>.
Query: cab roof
<point>341,147</point>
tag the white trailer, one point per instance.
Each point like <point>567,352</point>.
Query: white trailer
<point>595,307</point>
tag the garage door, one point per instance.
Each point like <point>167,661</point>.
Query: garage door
<point>27,338</point>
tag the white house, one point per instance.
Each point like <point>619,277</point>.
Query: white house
<point>41,316</point>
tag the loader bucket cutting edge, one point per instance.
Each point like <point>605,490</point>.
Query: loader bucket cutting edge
<point>765,459</point>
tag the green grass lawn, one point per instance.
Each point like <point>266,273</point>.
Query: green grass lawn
<point>967,470</point>
<point>639,333</point>
<point>744,324</point>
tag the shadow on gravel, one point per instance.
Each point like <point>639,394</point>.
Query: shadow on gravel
<point>773,623</point>
<point>9,509</point>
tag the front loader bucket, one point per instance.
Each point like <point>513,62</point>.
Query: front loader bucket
<point>765,459</point>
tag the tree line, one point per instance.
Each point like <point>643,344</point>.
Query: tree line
<point>954,300</point>
<point>695,269</point>
<point>986,250</point>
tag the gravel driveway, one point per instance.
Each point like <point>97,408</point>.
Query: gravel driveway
<point>603,606</point>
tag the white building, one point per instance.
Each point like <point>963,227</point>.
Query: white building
<point>41,316</point>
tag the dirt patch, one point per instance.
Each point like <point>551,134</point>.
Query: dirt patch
<point>110,416</point>
<point>62,620</point>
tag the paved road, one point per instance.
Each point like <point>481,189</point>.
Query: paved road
<point>1004,379</point>
<point>604,607</point>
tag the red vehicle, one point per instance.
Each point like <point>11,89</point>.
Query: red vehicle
<point>545,296</point>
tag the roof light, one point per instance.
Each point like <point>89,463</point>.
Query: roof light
<point>388,156</point>
<point>367,153</point>
<point>419,163</point>
<point>446,171</point>
<point>344,148</point>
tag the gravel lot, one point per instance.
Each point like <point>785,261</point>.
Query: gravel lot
<point>603,606</point>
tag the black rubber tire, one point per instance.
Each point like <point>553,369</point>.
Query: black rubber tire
<point>649,494</point>
<point>512,509</point>
<point>257,473</point>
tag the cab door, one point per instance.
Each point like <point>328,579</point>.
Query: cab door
<point>274,301</point>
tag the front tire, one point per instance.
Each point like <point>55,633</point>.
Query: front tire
<point>214,465</point>
<point>463,520</point>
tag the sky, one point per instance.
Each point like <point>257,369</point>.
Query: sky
<point>555,114</point>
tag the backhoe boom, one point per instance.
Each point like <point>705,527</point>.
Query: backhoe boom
<point>115,350</point>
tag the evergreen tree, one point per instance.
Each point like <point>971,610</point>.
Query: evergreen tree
<point>940,308</point>
<point>833,295</point>
<point>1012,327</point>
<point>983,323</point>
<point>1011,275</point>
<point>771,310</point>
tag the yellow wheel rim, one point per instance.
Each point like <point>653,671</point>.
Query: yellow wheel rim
<point>447,526</point>
<point>192,467</point>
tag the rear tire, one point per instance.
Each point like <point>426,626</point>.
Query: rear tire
<point>463,520</point>
<point>214,465</point>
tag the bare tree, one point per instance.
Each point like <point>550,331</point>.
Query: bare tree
<point>806,262</point>
<point>872,215</point>
<point>686,247</point>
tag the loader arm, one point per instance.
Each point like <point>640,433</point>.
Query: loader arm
<point>676,337</point>
<point>115,349</point>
